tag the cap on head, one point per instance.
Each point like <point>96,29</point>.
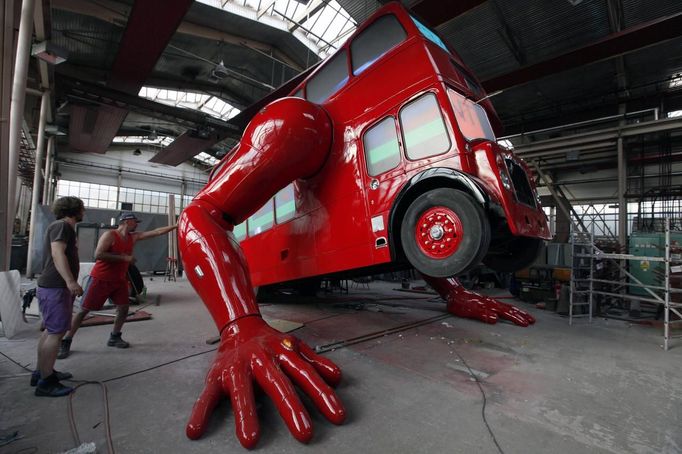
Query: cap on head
<point>126,216</point>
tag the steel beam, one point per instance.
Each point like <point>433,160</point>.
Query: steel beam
<point>437,12</point>
<point>613,45</point>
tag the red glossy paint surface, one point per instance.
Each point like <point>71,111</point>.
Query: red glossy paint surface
<point>251,351</point>
<point>332,229</point>
<point>340,222</point>
<point>439,232</point>
<point>467,304</point>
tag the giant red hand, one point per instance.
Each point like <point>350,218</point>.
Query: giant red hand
<point>464,303</point>
<point>251,350</point>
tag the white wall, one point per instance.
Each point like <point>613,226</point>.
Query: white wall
<point>136,171</point>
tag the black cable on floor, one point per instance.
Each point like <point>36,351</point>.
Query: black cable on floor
<point>15,362</point>
<point>367,337</point>
<point>159,365</point>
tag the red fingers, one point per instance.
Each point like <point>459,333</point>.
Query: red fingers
<point>305,376</point>
<point>237,384</point>
<point>325,367</point>
<point>203,407</point>
<point>278,387</point>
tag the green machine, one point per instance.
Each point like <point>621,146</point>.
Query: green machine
<point>649,244</point>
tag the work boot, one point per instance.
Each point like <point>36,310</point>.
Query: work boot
<point>116,341</point>
<point>64,349</point>
<point>50,387</point>
<point>35,376</point>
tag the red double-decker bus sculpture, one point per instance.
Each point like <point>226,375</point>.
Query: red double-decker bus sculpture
<point>383,157</point>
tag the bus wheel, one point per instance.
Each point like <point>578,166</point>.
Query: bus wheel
<point>518,254</point>
<point>444,233</point>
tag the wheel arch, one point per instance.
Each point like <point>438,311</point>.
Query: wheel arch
<point>427,180</point>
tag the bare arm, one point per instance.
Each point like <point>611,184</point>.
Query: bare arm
<point>154,233</point>
<point>61,262</point>
<point>103,245</point>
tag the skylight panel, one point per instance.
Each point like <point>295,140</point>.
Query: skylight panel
<point>209,104</point>
<point>318,25</point>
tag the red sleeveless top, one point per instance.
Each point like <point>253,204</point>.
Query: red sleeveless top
<point>114,271</point>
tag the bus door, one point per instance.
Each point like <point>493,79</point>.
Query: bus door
<point>383,177</point>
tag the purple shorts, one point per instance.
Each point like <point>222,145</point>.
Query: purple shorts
<point>56,306</point>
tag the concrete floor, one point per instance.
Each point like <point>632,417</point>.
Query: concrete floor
<point>606,387</point>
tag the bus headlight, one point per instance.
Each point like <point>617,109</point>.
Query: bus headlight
<point>506,182</point>
<point>504,174</point>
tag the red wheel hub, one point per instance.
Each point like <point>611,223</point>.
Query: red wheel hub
<point>439,232</point>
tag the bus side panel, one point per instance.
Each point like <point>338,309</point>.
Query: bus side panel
<point>290,253</point>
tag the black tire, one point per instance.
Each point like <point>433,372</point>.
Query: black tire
<point>519,253</point>
<point>135,279</point>
<point>473,240</point>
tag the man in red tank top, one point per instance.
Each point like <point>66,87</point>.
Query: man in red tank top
<point>108,278</point>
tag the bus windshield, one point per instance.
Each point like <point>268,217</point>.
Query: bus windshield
<point>471,118</point>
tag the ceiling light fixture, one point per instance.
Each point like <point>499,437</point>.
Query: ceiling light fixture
<point>220,71</point>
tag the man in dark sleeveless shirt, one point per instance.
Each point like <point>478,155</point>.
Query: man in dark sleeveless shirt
<point>57,288</point>
<point>113,254</point>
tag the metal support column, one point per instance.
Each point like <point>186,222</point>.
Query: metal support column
<point>6,54</point>
<point>666,296</point>
<point>16,116</point>
<point>48,170</point>
<point>40,153</point>
<point>119,180</point>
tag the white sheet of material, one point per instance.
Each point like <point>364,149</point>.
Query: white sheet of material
<point>10,303</point>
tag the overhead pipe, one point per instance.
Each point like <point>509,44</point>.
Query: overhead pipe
<point>40,153</point>
<point>584,123</point>
<point>16,116</point>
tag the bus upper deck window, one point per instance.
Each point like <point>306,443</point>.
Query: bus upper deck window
<point>298,94</point>
<point>331,77</point>
<point>375,41</point>
<point>382,151</point>
<point>430,34</point>
<point>471,117</point>
<point>423,128</point>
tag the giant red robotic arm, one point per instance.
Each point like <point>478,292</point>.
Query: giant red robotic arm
<point>287,140</point>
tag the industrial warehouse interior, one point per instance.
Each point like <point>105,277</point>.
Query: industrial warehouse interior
<point>341,226</point>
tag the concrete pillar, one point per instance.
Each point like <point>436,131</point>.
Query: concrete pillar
<point>16,115</point>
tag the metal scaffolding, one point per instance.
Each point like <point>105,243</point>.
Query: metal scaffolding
<point>587,258</point>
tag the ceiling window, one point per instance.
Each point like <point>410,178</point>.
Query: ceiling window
<point>321,25</point>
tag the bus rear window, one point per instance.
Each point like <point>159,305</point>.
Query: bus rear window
<point>423,128</point>
<point>382,151</point>
<point>471,118</point>
<point>375,41</point>
<point>328,80</point>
